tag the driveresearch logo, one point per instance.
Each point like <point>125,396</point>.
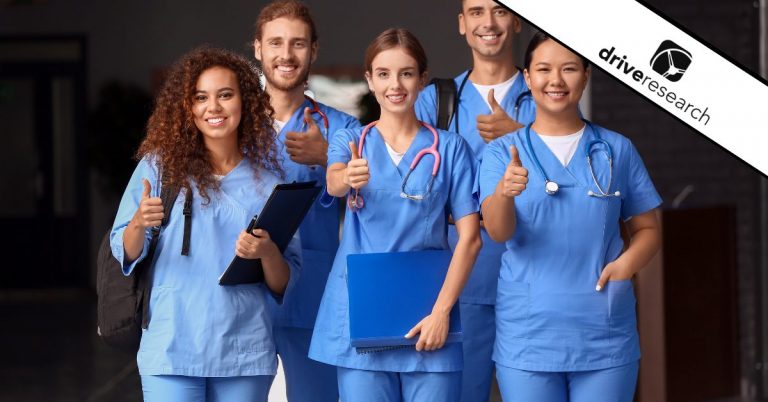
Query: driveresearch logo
<point>672,68</point>
<point>671,61</point>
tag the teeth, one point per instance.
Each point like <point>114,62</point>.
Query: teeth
<point>216,120</point>
<point>489,37</point>
<point>395,98</point>
<point>556,94</point>
<point>286,68</point>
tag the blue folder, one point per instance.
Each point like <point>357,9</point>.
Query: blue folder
<point>389,293</point>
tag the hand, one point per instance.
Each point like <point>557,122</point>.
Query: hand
<point>515,177</point>
<point>256,244</point>
<point>309,148</point>
<point>356,174</point>
<point>496,124</point>
<point>614,271</point>
<point>150,212</point>
<point>433,331</point>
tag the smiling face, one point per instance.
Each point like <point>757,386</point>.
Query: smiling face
<point>489,28</point>
<point>217,104</point>
<point>286,52</point>
<point>395,80</point>
<point>557,78</point>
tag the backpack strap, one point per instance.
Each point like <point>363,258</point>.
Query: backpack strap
<point>445,91</point>
<point>187,221</point>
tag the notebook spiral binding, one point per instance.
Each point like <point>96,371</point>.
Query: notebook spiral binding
<point>377,349</point>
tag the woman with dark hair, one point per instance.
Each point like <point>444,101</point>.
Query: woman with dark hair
<point>210,134</point>
<point>372,163</point>
<point>555,191</point>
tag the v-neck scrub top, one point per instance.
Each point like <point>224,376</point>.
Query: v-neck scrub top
<point>549,317</point>
<point>197,327</point>
<point>390,223</point>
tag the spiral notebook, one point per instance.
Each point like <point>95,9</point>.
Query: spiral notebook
<point>389,293</point>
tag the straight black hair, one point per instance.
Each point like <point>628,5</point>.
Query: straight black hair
<point>537,39</point>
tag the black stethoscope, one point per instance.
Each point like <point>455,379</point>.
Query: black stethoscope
<point>551,187</point>
<point>519,101</point>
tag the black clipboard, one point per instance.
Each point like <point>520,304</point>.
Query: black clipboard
<point>284,211</point>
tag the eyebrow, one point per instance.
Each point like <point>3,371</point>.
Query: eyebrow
<point>197,91</point>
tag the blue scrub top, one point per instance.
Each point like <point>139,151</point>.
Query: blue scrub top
<point>390,223</point>
<point>548,315</point>
<point>320,229</point>
<point>481,287</point>
<point>197,327</point>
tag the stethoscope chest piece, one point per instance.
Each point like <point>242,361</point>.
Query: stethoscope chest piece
<point>551,187</point>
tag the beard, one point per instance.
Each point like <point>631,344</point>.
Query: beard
<point>276,81</point>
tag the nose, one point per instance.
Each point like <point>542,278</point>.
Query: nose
<point>488,20</point>
<point>214,105</point>
<point>286,51</point>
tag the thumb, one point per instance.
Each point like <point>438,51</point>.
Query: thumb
<point>310,122</point>
<point>492,101</point>
<point>604,276</point>
<point>353,149</point>
<point>515,156</point>
<point>147,189</point>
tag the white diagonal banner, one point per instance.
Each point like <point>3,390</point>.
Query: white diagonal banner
<point>664,64</point>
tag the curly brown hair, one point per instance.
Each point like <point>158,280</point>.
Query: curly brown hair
<point>176,143</point>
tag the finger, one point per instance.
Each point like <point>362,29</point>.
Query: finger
<point>261,234</point>
<point>353,150</point>
<point>602,280</point>
<point>492,101</point>
<point>292,136</point>
<point>150,208</point>
<point>415,330</point>
<point>147,188</point>
<point>483,119</point>
<point>515,157</point>
<point>310,122</point>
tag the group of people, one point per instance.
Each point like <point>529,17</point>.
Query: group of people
<point>530,197</point>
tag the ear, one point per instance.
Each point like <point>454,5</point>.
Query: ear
<point>527,78</point>
<point>257,49</point>
<point>423,80</point>
<point>587,74</point>
<point>370,82</point>
<point>313,55</point>
<point>462,25</point>
<point>517,26</point>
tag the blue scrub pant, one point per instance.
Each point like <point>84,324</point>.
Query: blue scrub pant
<point>306,380</point>
<point>616,384</point>
<point>478,324</point>
<point>387,386</point>
<point>178,388</point>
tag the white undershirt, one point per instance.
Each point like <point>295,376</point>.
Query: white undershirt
<point>563,146</point>
<point>499,90</point>
<point>278,125</point>
<point>396,156</point>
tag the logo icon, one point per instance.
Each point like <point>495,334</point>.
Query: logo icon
<point>671,60</point>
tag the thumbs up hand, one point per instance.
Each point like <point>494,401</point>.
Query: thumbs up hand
<point>356,175</point>
<point>150,212</point>
<point>496,124</point>
<point>308,148</point>
<point>515,177</point>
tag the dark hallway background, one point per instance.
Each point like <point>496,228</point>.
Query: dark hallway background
<point>76,83</point>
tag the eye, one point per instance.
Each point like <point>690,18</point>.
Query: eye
<point>274,43</point>
<point>382,74</point>
<point>200,98</point>
<point>475,13</point>
<point>226,95</point>
<point>501,12</point>
<point>300,44</point>
<point>407,74</point>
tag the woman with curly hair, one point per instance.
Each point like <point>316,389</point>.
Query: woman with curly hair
<point>210,134</point>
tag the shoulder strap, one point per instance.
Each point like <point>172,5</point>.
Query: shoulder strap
<point>445,89</point>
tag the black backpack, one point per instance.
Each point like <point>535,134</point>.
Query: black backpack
<point>123,301</point>
<point>445,91</point>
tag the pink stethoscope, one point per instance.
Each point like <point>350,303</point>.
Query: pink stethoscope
<point>355,201</point>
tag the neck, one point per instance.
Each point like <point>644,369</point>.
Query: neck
<point>285,103</point>
<point>562,124</point>
<point>492,71</point>
<point>223,154</point>
<point>395,127</point>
